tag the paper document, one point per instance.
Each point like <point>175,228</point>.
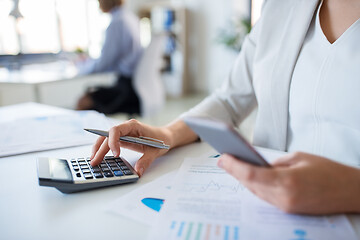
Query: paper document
<point>275,224</point>
<point>144,203</point>
<point>207,203</point>
<point>204,204</point>
<point>49,132</point>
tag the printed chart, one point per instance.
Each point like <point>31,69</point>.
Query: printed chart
<point>203,231</point>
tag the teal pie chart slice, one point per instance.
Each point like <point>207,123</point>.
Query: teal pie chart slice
<point>153,203</point>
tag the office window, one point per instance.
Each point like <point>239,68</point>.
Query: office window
<point>52,26</point>
<point>8,37</point>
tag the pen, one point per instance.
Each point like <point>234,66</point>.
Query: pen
<point>139,140</point>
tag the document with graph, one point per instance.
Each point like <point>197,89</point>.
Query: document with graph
<point>204,204</point>
<point>258,214</point>
<point>207,203</point>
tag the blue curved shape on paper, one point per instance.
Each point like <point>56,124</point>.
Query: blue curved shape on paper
<point>153,203</point>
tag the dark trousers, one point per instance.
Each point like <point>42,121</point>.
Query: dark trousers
<point>120,98</point>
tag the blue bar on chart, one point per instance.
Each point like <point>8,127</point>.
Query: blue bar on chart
<point>203,231</point>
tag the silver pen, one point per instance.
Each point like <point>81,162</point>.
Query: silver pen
<point>152,142</point>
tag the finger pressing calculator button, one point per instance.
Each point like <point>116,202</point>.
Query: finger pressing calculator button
<point>128,172</point>
<point>118,173</point>
<point>98,175</point>
<point>88,175</point>
<point>108,174</point>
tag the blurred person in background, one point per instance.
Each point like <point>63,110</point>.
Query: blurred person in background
<point>120,53</point>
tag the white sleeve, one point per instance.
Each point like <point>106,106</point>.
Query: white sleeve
<point>235,100</point>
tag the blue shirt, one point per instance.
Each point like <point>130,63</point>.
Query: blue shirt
<point>121,50</point>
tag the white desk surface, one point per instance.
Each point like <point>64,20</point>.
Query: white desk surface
<point>28,211</point>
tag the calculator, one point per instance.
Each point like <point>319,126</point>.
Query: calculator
<point>75,175</point>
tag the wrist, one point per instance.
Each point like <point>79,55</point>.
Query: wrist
<point>357,186</point>
<point>353,192</point>
<point>179,134</point>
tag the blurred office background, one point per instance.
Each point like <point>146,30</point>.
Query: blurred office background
<point>39,39</point>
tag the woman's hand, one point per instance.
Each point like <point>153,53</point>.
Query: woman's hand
<point>300,183</point>
<point>136,129</point>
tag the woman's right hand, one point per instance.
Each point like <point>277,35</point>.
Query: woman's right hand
<point>132,128</point>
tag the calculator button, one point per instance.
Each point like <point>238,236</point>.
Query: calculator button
<point>103,165</point>
<point>88,176</point>
<point>115,168</point>
<point>84,167</point>
<point>108,174</point>
<point>109,157</point>
<point>96,170</point>
<point>105,169</point>
<point>78,175</point>
<point>118,173</point>
<point>73,161</point>
<point>124,168</point>
<point>98,175</point>
<point>76,169</point>
<point>86,171</point>
<point>128,172</point>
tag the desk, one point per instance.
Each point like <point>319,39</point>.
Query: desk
<point>55,84</point>
<point>32,212</point>
<point>28,211</point>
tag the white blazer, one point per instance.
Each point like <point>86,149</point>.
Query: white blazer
<point>262,73</point>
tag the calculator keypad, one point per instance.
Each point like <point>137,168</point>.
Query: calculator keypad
<point>108,168</point>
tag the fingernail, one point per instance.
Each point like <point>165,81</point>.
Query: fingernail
<point>220,163</point>
<point>114,153</point>
<point>141,171</point>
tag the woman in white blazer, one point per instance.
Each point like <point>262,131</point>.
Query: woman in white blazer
<point>299,67</point>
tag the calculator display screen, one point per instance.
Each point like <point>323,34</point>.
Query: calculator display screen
<point>59,169</point>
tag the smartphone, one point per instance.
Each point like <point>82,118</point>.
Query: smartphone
<point>225,139</point>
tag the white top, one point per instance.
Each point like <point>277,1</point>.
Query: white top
<point>324,112</point>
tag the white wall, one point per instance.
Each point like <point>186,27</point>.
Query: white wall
<point>209,63</point>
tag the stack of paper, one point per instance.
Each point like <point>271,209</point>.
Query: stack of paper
<point>204,202</point>
<point>50,130</point>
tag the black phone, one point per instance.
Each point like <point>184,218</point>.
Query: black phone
<point>225,139</point>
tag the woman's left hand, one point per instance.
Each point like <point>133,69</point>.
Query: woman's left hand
<point>300,183</point>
